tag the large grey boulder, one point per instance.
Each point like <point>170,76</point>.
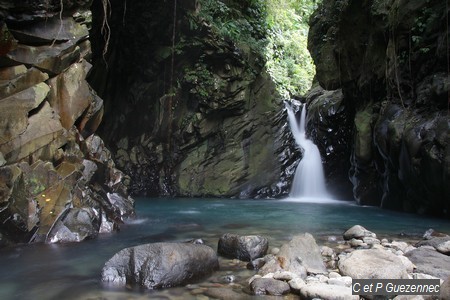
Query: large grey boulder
<point>430,262</point>
<point>302,252</point>
<point>245,248</point>
<point>160,265</point>
<point>372,263</point>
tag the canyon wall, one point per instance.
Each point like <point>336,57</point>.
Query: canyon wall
<point>58,182</point>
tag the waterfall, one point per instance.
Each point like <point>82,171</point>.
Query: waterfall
<point>309,181</point>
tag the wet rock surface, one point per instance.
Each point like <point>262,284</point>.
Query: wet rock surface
<point>389,68</point>
<point>212,116</point>
<point>53,186</point>
<point>160,265</point>
<point>245,248</point>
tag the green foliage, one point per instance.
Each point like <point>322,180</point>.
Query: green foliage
<point>288,60</point>
<point>240,21</point>
<point>273,29</point>
<point>201,80</point>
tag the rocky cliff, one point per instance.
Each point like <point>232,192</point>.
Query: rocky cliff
<point>191,111</point>
<point>384,68</point>
<point>58,182</point>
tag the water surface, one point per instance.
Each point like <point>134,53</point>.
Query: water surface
<point>72,271</point>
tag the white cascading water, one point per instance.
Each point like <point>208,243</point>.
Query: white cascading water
<point>309,181</point>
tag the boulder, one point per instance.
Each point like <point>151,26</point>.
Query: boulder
<point>14,110</point>
<point>246,248</point>
<point>43,136</point>
<point>326,291</point>
<point>70,95</point>
<point>441,244</point>
<point>75,225</point>
<point>160,265</point>
<point>17,79</point>
<point>302,252</point>
<point>372,263</point>
<point>358,232</point>
<point>430,262</point>
<point>269,286</point>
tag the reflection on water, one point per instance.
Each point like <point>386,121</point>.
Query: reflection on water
<point>72,271</point>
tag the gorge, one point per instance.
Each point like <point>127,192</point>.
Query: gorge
<point>188,109</point>
<point>125,123</point>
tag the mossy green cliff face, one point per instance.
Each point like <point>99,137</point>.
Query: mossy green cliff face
<point>389,60</point>
<point>191,111</point>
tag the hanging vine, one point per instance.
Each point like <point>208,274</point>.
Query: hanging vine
<point>105,28</point>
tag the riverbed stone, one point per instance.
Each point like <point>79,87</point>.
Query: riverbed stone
<point>302,252</point>
<point>223,293</point>
<point>430,261</point>
<point>246,248</point>
<point>269,286</point>
<point>160,265</point>
<point>445,289</point>
<point>343,280</point>
<point>326,291</point>
<point>441,244</point>
<point>358,232</point>
<point>372,264</point>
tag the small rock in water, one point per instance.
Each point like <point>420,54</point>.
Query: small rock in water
<point>229,278</point>
<point>269,286</point>
<point>326,251</point>
<point>275,251</point>
<point>256,264</point>
<point>441,244</point>
<point>334,275</point>
<point>358,232</point>
<point>431,233</point>
<point>244,248</point>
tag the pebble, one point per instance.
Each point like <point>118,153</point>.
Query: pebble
<point>334,275</point>
<point>326,251</point>
<point>275,251</point>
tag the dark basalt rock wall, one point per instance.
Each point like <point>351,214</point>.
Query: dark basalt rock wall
<point>58,182</point>
<point>193,116</point>
<point>389,59</point>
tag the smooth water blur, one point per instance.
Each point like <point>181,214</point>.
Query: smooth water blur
<point>72,271</point>
<point>309,179</point>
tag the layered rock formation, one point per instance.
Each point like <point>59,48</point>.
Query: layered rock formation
<point>191,111</point>
<point>389,62</point>
<point>57,179</point>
